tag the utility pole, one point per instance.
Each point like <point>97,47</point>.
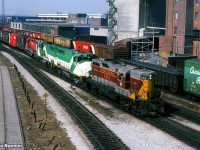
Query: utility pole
<point>3,14</point>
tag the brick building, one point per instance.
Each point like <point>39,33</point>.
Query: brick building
<point>179,27</point>
<point>196,42</point>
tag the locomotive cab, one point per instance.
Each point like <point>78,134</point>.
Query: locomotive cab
<point>142,84</point>
<point>123,76</point>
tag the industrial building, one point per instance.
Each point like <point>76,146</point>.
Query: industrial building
<point>130,18</point>
<point>182,28</point>
<point>78,19</point>
<point>96,34</point>
<point>179,28</point>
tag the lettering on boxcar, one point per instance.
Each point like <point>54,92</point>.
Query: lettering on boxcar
<point>193,71</point>
<point>85,47</point>
<point>198,80</point>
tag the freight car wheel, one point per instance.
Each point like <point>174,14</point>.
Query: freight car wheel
<point>143,108</point>
<point>134,108</point>
<point>60,72</point>
<point>162,111</point>
<point>88,86</point>
<point>125,104</point>
<point>143,112</point>
<point>76,80</point>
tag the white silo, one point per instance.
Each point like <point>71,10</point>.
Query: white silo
<point>123,19</point>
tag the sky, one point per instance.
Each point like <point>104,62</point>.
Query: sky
<point>34,7</point>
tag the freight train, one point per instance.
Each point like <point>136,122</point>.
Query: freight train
<point>100,50</point>
<point>167,78</point>
<point>129,85</point>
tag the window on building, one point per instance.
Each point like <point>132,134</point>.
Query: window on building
<point>175,30</point>
<point>176,16</point>
<point>177,1</point>
<point>196,1</point>
<point>196,16</point>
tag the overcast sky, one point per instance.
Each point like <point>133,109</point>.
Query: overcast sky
<point>33,7</point>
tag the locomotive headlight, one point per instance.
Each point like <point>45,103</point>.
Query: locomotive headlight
<point>150,76</point>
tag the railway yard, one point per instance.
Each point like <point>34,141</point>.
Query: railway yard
<point>102,123</point>
<point>125,80</point>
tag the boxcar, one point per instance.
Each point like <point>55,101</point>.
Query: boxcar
<point>37,35</point>
<point>21,41</point>
<point>13,39</point>
<point>28,33</point>
<point>5,36</point>
<point>192,76</point>
<point>6,29</point>
<point>31,45</point>
<point>83,46</point>
<point>65,42</point>
<point>48,38</point>
<point>111,52</point>
<point>1,35</point>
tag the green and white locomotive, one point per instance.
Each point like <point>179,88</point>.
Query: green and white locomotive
<point>74,64</point>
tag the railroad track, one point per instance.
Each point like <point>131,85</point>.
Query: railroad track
<point>189,114</point>
<point>179,131</point>
<point>99,135</point>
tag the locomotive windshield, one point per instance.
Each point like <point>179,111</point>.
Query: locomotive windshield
<point>83,58</point>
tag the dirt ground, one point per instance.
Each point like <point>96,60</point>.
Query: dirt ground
<point>40,133</point>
